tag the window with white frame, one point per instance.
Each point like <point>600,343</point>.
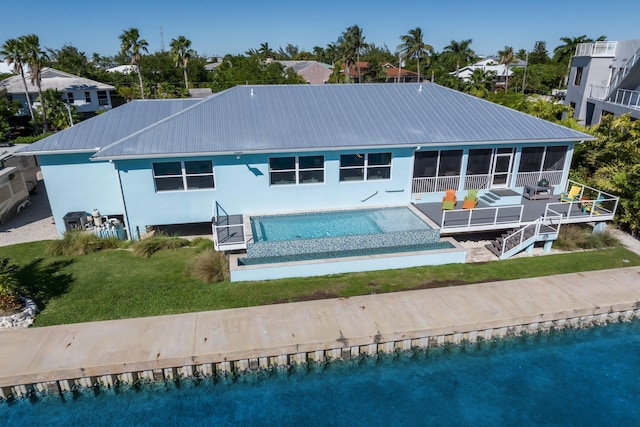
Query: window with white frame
<point>365,166</point>
<point>184,175</point>
<point>296,170</point>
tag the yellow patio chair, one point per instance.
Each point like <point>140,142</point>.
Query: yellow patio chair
<point>572,195</point>
<point>449,200</point>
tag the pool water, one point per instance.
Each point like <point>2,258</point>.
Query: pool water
<point>573,377</point>
<point>316,225</point>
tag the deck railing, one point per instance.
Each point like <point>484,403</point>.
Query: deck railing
<point>626,98</point>
<point>224,232</point>
<point>600,48</point>
<point>624,70</point>
<point>467,219</point>
<point>435,184</point>
<point>532,178</point>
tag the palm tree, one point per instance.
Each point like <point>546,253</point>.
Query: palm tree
<point>506,58</point>
<point>355,40</point>
<point>413,46</point>
<point>14,55</point>
<point>181,50</point>
<point>34,56</point>
<point>460,52</point>
<point>265,51</point>
<point>565,52</point>
<point>131,45</point>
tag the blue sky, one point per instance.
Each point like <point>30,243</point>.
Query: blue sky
<point>221,27</point>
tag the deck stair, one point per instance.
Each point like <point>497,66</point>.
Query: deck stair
<point>499,197</point>
<point>518,239</point>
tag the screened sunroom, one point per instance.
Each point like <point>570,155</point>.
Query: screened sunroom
<point>489,168</point>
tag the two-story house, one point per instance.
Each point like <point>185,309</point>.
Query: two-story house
<point>86,95</point>
<point>604,79</point>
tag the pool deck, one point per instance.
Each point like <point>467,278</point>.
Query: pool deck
<point>40,355</point>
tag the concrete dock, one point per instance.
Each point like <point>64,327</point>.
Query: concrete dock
<point>59,357</point>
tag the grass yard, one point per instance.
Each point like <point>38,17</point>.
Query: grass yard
<point>115,284</point>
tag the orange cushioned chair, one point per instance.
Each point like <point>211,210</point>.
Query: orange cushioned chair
<point>449,200</point>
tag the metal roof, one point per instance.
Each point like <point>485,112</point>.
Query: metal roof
<point>281,118</point>
<point>52,79</point>
<point>106,128</point>
<point>307,117</point>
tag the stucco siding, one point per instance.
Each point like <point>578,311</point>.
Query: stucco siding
<point>75,183</point>
<point>242,186</point>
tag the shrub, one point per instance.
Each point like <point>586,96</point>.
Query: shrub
<point>210,266</point>
<point>573,237</point>
<point>202,244</point>
<point>157,242</point>
<point>81,243</point>
<point>9,299</point>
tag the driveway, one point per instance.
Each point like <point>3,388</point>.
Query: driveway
<point>33,223</point>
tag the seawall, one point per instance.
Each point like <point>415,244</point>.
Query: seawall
<point>59,358</point>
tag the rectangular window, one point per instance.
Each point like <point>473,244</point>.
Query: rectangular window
<point>180,176</point>
<point>543,159</point>
<point>531,159</point>
<point>296,170</point>
<point>102,97</point>
<point>479,162</point>
<point>365,167</point>
<point>70,97</point>
<point>450,163</point>
<point>578,79</point>
<point>426,164</point>
<point>87,97</point>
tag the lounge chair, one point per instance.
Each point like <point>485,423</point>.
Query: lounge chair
<point>470,200</point>
<point>592,207</point>
<point>572,195</point>
<point>449,200</point>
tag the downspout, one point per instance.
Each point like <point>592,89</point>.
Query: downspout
<point>124,205</point>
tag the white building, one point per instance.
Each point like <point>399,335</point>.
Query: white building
<point>605,79</point>
<point>87,96</point>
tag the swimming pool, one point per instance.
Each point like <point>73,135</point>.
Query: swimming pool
<point>568,377</point>
<point>315,225</point>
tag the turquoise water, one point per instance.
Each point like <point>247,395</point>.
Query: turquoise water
<point>315,225</point>
<point>568,378</point>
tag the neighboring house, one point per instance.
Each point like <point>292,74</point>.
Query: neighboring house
<point>391,73</point>
<point>294,148</point>
<point>87,96</point>
<point>500,71</point>
<point>5,68</point>
<point>202,92</point>
<point>399,75</point>
<point>123,69</point>
<point>604,79</point>
<point>18,178</point>
<point>313,72</point>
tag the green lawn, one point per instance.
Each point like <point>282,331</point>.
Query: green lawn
<point>115,284</point>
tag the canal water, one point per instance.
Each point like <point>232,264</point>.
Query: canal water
<point>572,377</point>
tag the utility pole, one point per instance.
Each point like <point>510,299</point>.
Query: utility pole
<point>161,40</point>
<point>524,78</point>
